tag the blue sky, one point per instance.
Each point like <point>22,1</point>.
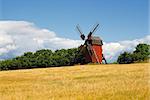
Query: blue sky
<point>119,19</point>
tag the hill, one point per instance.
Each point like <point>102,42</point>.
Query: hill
<point>86,82</point>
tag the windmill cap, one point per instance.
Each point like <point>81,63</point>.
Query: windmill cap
<point>96,40</point>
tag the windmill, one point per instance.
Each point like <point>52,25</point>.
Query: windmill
<point>91,50</point>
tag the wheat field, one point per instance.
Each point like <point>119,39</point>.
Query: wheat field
<point>86,82</point>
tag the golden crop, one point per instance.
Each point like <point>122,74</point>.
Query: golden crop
<point>86,82</point>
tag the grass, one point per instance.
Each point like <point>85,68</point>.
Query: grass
<point>86,82</point>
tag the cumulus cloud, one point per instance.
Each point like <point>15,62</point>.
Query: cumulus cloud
<point>6,43</point>
<point>17,37</point>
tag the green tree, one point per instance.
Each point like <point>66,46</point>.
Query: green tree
<point>5,65</point>
<point>125,58</point>
<point>141,53</point>
<point>43,58</point>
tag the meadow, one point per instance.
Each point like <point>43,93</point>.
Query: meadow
<point>80,82</point>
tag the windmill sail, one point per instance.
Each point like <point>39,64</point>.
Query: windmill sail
<point>81,34</point>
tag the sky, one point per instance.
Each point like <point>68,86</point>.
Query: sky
<point>28,25</point>
<point>117,18</point>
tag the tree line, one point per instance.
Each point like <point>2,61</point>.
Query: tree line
<point>141,54</point>
<point>41,58</point>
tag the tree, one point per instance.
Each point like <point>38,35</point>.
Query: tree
<point>43,58</point>
<point>125,58</point>
<point>141,53</point>
<point>5,65</point>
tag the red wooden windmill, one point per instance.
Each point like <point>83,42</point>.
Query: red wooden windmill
<point>91,51</point>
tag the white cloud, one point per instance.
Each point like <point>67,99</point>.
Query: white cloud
<point>6,43</point>
<point>17,37</point>
<point>22,36</point>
